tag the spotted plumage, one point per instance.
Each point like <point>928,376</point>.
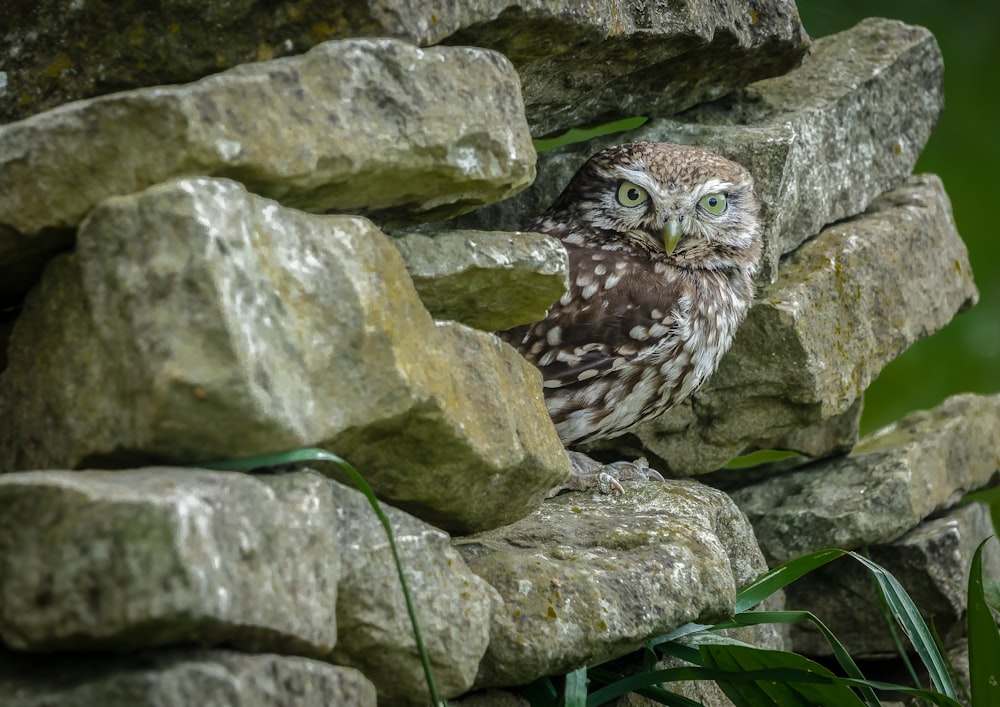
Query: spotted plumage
<point>663,243</point>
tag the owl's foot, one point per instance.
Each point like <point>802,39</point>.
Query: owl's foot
<point>590,475</point>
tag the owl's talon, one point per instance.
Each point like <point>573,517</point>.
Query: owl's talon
<point>606,479</point>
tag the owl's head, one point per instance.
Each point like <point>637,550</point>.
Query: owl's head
<point>683,203</point>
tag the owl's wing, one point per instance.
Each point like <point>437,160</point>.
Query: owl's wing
<point>617,311</point>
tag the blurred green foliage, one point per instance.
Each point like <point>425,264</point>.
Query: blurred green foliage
<point>964,149</point>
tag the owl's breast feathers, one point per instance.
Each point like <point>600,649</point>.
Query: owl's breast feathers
<point>631,337</point>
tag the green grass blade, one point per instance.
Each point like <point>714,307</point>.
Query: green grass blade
<point>984,640</point>
<point>540,692</point>
<point>788,693</point>
<point>912,623</point>
<point>303,455</point>
<point>575,693</point>
<point>781,576</point>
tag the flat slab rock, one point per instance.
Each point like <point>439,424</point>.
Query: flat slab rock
<point>284,332</point>
<point>490,280</point>
<point>309,131</point>
<point>816,338</point>
<point>679,549</point>
<point>821,141</point>
<point>179,678</point>
<point>921,465</point>
<point>57,54</point>
<point>108,560</point>
<point>932,562</point>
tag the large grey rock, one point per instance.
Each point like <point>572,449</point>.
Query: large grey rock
<point>196,321</point>
<point>455,607</point>
<point>588,577</point>
<point>821,141</point>
<point>117,560</point>
<point>490,280</point>
<point>817,337</point>
<point>932,562</point>
<point>176,678</point>
<point>581,64</point>
<point>671,55</point>
<point>895,478</point>
<point>353,126</point>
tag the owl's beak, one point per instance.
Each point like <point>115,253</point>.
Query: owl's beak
<point>671,234</point>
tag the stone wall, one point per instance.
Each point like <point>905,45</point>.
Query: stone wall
<point>201,271</point>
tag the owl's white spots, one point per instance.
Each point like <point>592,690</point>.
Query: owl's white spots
<point>655,324</point>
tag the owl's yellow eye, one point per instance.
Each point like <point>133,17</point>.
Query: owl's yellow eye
<point>630,194</point>
<point>713,203</point>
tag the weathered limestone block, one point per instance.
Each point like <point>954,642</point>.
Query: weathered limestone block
<point>455,607</point>
<point>581,64</point>
<point>196,321</point>
<point>117,560</point>
<point>671,56</point>
<point>176,678</point>
<point>489,280</point>
<point>357,126</point>
<point>821,141</point>
<point>895,478</point>
<point>817,337</point>
<point>932,562</point>
<point>679,549</point>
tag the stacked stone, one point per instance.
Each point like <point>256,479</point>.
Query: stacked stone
<point>231,291</point>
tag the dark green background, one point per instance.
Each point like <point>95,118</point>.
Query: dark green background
<point>964,150</point>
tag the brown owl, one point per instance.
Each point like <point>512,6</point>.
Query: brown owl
<point>663,243</point>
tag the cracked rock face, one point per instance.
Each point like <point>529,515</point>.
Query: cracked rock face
<point>588,578</point>
<point>179,678</point>
<point>354,126</point>
<point>196,321</point>
<point>894,479</point>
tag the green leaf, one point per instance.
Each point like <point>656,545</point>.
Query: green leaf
<point>906,613</point>
<point>781,576</point>
<point>763,693</point>
<point>984,640</point>
<point>301,455</point>
<point>575,694</point>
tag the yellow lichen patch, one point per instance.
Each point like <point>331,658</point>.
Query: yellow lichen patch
<point>61,63</point>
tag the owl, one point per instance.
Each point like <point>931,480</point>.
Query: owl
<point>663,243</point>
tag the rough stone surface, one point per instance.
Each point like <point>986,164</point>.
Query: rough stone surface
<point>587,577</point>
<point>173,678</point>
<point>149,557</point>
<point>895,478</point>
<point>489,280</point>
<point>283,332</point>
<point>574,59</point>
<point>670,55</point>
<point>817,337</point>
<point>352,126</point>
<point>455,607</point>
<point>821,141</point>
<point>932,562</point>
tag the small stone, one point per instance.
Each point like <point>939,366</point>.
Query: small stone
<point>932,562</point>
<point>117,560</point>
<point>179,678</point>
<point>196,322</point>
<point>309,131</point>
<point>454,607</point>
<point>489,280</point>
<point>816,338</point>
<point>921,465</point>
<point>587,578</point>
